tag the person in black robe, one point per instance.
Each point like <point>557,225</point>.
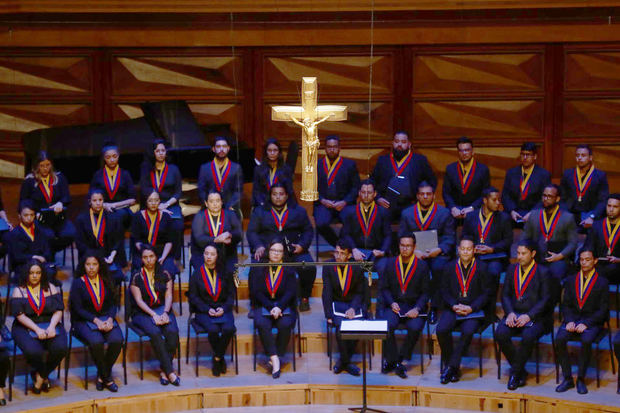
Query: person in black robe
<point>603,239</point>
<point>270,171</point>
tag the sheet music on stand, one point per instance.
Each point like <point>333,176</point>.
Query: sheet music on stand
<point>426,240</point>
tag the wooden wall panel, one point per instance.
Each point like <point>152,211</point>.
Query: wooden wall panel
<point>595,70</point>
<point>592,117</point>
<point>481,401</point>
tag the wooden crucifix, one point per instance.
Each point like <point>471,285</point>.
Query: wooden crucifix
<point>309,115</point>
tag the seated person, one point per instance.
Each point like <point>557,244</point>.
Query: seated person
<point>5,227</point>
<point>338,184</point>
<point>466,291</point>
<point>281,219</point>
<point>270,171</point>
<point>404,290</point>
<point>93,310</point>
<point>524,185</point>
<point>603,239</point>
<point>152,226</point>
<point>343,293</point>
<point>585,308</point>
<point>367,227</point>
<point>215,225</point>
<point>524,299</point>
<point>151,293</point>
<point>98,231</point>
<point>274,289</point>
<point>37,306</point>
<point>210,295</point>
<point>617,352</point>
<point>221,175</point>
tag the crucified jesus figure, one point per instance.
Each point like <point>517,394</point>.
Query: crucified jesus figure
<point>311,138</point>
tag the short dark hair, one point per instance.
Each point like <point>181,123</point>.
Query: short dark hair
<point>467,238</point>
<point>615,196</point>
<point>407,234</point>
<point>584,146</point>
<point>425,184</point>
<point>462,140</point>
<point>93,191</point>
<point>25,203</point>
<point>529,146</point>
<point>587,249</point>
<point>345,244</point>
<point>486,192</point>
<point>221,138</point>
<point>278,185</point>
<point>529,244</point>
<point>368,182</point>
<point>332,138</point>
<point>554,186</point>
<point>402,132</point>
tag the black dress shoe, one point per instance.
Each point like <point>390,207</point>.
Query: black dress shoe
<point>401,371</point>
<point>223,365</point>
<point>456,375</point>
<point>565,385</point>
<point>432,316</point>
<point>522,379</point>
<point>337,367</point>
<point>513,382</point>
<point>304,305</point>
<point>387,367</point>
<point>581,386</point>
<point>46,386</point>
<point>353,370</point>
<point>2,402</point>
<point>99,385</point>
<point>215,368</point>
<point>176,382</point>
<point>446,376</point>
<point>163,381</point>
<point>276,374</point>
<point>111,386</point>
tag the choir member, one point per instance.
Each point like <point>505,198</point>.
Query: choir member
<point>584,189</point>
<point>398,174</point>
<point>98,230</point>
<point>29,241</point>
<point>585,308</point>
<point>404,290</point>
<point>603,240</point>
<point>464,181</point>
<point>164,177</point>
<point>215,225</point>
<point>93,305</point>
<point>151,292</point>
<point>151,227</point>
<point>426,215</point>
<point>617,352</point>
<point>367,227</point>
<point>338,184</point>
<point>555,234</point>
<point>524,185</point>
<point>524,299</point>
<point>466,291</point>
<point>49,191</point>
<point>280,218</point>
<point>221,175</point>
<point>37,306</point>
<point>270,171</point>
<point>117,185</point>
<point>274,289</point>
<point>211,297</point>
<point>343,293</point>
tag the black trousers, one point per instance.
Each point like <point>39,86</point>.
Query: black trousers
<point>265,324</point>
<point>307,275</point>
<point>617,346</point>
<point>219,334</point>
<point>529,337</point>
<point>586,338</point>
<point>414,328</point>
<point>4,365</point>
<point>346,348</point>
<point>445,326</point>
<point>60,232</point>
<point>323,217</point>
<point>610,271</point>
<point>96,340</point>
<point>437,266</point>
<point>164,339</point>
<point>34,349</point>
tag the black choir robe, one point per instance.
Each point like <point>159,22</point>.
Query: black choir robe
<point>380,234</point>
<point>81,304</point>
<point>126,189</point>
<point>345,184</point>
<point>595,240</point>
<point>480,289</point>
<point>113,237</point>
<point>30,190</point>
<point>511,193</point>
<point>201,235</point>
<point>500,233</point>
<point>535,299</point>
<point>263,229</point>
<point>21,248</point>
<point>332,291</point>
<point>260,186</point>
<point>453,195</point>
<point>443,222</point>
<point>285,295</point>
<point>140,232</point>
<point>231,189</point>
<point>595,310</point>
<point>563,240</point>
<point>594,200</point>
<point>201,301</point>
<point>417,292</point>
<point>171,187</point>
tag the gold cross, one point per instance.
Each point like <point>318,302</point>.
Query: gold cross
<point>309,115</point>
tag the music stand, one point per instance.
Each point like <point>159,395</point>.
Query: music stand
<point>364,330</point>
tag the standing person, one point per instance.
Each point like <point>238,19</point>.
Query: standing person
<point>464,181</point>
<point>221,175</point>
<point>524,185</point>
<point>37,306</point>
<point>166,179</point>
<point>274,290</point>
<point>151,292</point>
<point>524,299</point>
<point>338,184</point>
<point>92,301</point>
<point>603,239</point>
<point>281,219</point>
<point>343,295</point>
<point>404,294</point>
<point>585,308</point>
<point>215,225</point>
<point>97,230</point>
<point>270,171</point>
<point>119,193</point>
<point>584,189</point>
<point>211,296</point>
<point>49,192</point>
<point>398,175</point>
<point>466,291</point>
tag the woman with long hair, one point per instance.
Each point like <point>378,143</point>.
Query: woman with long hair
<point>92,302</point>
<point>271,170</point>
<point>151,292</point>
<point>37,306</point>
